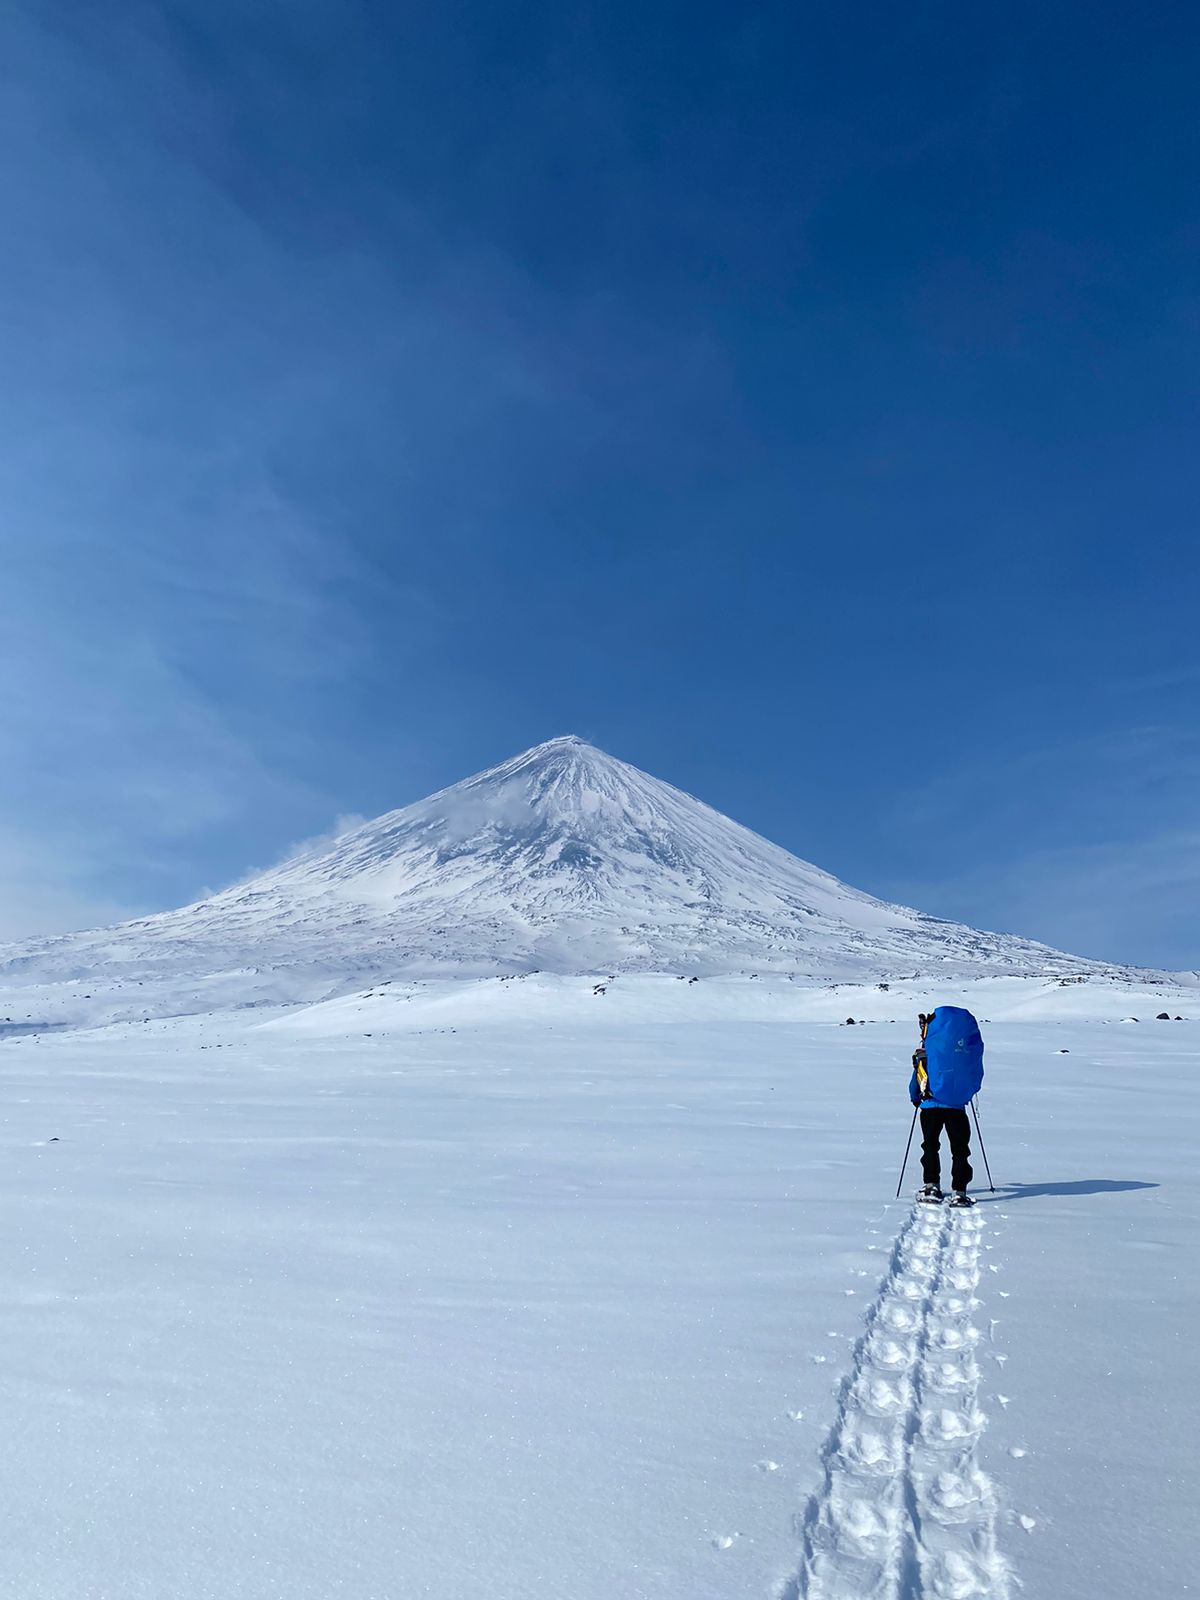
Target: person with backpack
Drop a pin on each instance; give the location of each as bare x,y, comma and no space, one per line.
947,1074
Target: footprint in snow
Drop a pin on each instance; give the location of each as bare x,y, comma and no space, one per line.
795,1416
952,1494
869,1450
958,1577
723,1541
887,1354
947,1427
949,1376
953,1338
882,1398
1028,1523
768,1466
1016,1451
865,1521
898,1317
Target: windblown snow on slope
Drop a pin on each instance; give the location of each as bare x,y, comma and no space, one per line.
562,859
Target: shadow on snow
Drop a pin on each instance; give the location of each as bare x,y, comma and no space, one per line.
1027,1191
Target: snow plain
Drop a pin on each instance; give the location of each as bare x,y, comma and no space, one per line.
523,1291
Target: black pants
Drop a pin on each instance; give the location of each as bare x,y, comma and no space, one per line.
958,1129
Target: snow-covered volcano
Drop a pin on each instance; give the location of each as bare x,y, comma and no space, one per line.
562,859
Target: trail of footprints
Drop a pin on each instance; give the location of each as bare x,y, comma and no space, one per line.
904,1512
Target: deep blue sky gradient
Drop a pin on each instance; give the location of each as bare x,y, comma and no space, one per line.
798,402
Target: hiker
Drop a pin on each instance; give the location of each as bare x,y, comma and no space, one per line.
947,1074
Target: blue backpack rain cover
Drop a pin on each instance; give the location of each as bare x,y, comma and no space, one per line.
953,1056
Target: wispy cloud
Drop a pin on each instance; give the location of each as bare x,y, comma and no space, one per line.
48,884
1126,900
1182,677
1088,844
1078,787
172,623
349,424
241,455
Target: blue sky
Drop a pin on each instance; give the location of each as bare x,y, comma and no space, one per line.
798,402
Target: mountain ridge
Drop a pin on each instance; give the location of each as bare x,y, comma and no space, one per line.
560,859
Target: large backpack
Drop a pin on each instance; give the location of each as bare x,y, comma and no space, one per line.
950,1071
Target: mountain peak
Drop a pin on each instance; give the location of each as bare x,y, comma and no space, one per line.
561,859
563,781
565,747
565,858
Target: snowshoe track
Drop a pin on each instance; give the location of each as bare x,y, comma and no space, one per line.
904,1512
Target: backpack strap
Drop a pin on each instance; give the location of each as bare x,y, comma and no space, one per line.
919,1058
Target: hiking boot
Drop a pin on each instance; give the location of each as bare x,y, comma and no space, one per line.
960,1197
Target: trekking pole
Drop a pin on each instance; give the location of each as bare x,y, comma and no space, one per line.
983,1148
907,1148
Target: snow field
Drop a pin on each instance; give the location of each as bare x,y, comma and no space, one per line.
548,999
554,1311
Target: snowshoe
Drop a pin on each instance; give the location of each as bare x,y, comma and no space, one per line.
960,1197
930,1195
